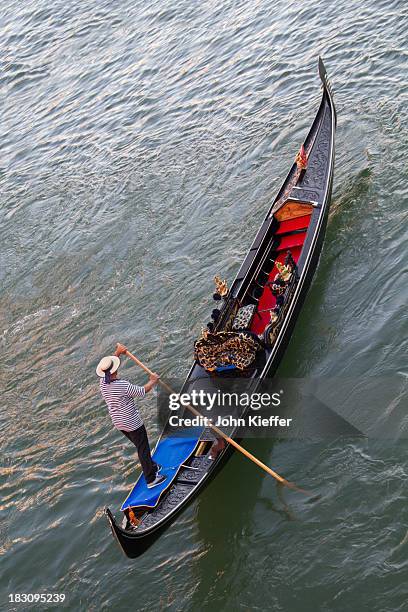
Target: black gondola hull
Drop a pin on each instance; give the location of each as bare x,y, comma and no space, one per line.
135,542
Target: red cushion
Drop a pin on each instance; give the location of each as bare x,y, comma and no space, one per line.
291,241
293,224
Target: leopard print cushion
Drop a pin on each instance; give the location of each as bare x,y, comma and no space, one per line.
225,348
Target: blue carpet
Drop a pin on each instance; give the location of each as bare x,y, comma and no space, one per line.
170,454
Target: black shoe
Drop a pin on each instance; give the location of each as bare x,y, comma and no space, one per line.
158,468
158,480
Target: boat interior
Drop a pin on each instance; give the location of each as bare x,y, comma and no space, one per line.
258,306
292,224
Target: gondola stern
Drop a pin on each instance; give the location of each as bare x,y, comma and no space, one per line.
131,545
116,531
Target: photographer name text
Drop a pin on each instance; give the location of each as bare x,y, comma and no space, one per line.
229,421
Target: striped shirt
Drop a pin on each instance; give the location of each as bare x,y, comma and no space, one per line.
119,396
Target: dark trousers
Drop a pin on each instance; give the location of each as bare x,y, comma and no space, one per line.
139,438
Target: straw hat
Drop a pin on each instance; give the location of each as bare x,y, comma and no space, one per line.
107,364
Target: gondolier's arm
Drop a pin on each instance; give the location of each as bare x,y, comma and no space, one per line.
153,378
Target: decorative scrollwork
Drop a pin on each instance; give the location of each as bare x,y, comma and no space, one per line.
305,194
319,155
173,498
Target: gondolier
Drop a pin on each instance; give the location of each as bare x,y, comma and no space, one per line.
118,395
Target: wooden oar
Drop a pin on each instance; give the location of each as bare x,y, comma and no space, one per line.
220,433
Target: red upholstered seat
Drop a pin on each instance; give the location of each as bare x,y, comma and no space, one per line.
291,241
290,225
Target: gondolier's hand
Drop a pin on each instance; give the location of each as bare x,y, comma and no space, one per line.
120,349
153,380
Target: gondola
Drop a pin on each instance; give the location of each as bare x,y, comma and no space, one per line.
288,243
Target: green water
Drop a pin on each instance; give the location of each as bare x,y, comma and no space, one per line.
141,144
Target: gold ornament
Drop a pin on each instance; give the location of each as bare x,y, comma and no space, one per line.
221,286
274,316
203,334
284,271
